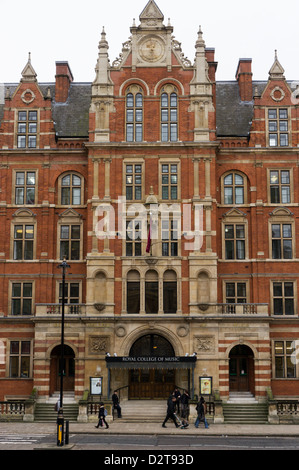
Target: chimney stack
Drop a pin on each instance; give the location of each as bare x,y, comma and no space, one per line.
244,78
64,78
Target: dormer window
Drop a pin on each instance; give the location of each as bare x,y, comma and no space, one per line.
27,129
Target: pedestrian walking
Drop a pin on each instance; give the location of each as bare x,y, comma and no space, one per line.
185,407
177,395
116,405
201,409
170,411
102,416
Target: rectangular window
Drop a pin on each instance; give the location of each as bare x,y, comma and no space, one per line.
169,237
282,241
71,293
23,242
278,126
133,237
283,298
70,242
234,241
280,190
133,297
19,359
236,292
27,129
25,187
134,182
21,298
285,363
169,181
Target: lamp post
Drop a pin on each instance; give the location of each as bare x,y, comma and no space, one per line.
60,418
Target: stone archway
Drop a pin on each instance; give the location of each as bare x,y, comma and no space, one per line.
151,383
69,369
241,369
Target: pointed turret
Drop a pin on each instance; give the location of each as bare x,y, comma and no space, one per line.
28,73
201,64
102,93
201,92
103,61
277,71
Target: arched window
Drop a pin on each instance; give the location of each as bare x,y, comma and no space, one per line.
234,189
134,114
133,292
169,292
151,292
71,190
169,114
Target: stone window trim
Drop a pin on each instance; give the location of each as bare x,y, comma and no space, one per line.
170,161
10,354
169,113
282,216
15,185
281,353
133,162
134,114
236,282
280,184
235,217
70,217
234,185
26,131
21,281
23,217
284,296
143,275
278,126
60,186
68,283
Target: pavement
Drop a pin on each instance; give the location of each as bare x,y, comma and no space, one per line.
118,427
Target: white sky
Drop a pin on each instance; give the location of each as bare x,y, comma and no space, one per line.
70,30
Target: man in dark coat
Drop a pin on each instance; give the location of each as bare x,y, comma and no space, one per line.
116,405
170,411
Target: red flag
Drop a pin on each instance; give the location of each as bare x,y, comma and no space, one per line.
149,240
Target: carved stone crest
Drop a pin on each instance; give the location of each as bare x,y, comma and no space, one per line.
98,344
204,344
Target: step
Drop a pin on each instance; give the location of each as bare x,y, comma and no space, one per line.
245,413
45,412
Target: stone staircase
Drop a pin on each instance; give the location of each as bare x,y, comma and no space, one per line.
143,411
45,412
243,408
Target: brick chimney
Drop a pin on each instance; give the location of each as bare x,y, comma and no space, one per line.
64,78
244,78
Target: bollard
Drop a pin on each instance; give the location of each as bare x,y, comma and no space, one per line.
67,432
60,431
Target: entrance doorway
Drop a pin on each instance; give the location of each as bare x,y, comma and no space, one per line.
241,369
68,367
151,383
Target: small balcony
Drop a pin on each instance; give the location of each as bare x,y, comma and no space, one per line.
255,310
52,310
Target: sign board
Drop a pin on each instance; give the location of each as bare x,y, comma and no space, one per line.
96,385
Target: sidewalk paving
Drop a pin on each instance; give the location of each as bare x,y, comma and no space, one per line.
123,428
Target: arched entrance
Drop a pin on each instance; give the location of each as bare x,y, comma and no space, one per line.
151,383
69,369
241,369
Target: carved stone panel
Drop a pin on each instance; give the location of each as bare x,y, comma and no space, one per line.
99,344
204,345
